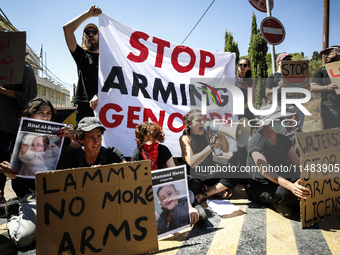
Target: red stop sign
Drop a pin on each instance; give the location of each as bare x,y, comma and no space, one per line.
272,30
260,5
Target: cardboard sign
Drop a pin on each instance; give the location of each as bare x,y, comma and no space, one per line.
105,210
170,187
320,172
12,57
295,73
333,70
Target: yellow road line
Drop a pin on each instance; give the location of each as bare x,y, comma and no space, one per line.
280,235
331,233
227,237
170,245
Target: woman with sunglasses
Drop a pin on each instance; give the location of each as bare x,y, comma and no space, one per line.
244,81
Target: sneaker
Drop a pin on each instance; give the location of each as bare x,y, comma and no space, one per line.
202,214
282,209
12,208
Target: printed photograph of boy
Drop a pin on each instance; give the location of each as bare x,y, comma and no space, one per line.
174,208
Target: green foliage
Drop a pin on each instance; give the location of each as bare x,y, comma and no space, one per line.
314,65
316,56
230,45
257,54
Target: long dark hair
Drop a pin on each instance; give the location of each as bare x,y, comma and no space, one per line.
33,107
248,73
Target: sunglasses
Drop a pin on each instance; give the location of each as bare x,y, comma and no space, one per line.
329,52
244,65
88,32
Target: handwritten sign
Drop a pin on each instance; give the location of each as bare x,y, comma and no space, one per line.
333,70
105,210
12,57
320,166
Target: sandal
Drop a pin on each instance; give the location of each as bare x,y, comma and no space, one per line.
199,198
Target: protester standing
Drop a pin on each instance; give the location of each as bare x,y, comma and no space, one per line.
86,58
321,83
13,99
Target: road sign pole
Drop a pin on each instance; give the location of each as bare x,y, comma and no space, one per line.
272,47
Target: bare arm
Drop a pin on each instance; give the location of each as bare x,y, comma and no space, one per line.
295,188
195,159
7,92
170,162
317,87
73,24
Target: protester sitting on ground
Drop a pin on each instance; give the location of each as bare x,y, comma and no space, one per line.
40,109
21,220
148,137
89,134
268,149
197,152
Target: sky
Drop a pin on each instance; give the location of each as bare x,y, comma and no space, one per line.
172,21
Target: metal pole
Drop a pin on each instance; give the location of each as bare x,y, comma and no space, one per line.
272,47
325,36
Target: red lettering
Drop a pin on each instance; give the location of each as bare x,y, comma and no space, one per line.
148,114
214,115
134,42
117,118
132,116
203,62
160,50
174,59
332,74
171,120
2,46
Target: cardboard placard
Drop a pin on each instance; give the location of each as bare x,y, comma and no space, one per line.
12,57
105,210
333,70
320,172
295,73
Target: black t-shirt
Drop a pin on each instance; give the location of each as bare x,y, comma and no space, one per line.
328,97
272,82
76,158
87,65
164,155
276,155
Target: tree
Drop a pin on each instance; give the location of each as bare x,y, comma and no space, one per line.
230,45
257,52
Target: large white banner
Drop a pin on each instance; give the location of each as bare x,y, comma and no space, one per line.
144,78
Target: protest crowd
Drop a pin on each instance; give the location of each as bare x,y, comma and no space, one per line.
269,145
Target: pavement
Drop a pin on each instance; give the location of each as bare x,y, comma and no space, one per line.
253,229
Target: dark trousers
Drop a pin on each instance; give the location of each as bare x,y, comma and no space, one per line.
83,110
22,186
5,139
270,192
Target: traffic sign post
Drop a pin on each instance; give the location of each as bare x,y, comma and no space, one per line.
272,30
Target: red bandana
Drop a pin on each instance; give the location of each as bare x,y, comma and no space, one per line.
150,152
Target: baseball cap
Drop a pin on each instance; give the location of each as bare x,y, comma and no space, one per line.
91,25
334,47
90,123
282,56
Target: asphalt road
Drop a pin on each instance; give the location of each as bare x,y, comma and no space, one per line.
253,229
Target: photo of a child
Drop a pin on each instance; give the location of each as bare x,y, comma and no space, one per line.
37,153
175,209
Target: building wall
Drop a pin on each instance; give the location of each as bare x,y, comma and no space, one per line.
58,96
